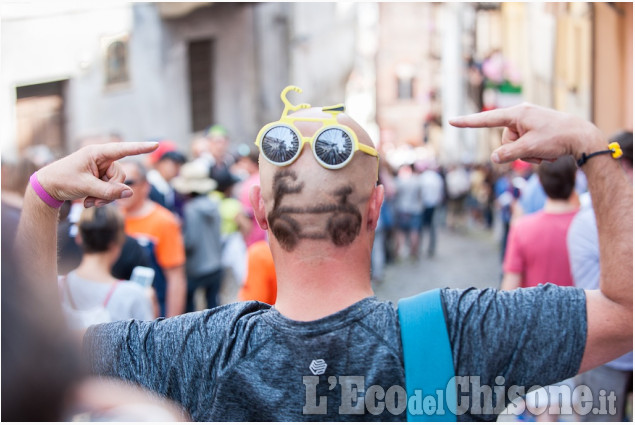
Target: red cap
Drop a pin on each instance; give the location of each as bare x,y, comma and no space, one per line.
520,165
165,146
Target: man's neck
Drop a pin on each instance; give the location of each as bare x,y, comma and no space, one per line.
144,209
96,267
562,206
312,288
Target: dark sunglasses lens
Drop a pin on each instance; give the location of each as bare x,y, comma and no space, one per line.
333,146
280,144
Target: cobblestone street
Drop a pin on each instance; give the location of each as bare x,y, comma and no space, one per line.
462,260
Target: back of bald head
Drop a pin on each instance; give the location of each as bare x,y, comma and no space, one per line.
305,201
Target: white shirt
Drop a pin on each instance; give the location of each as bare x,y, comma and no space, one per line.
432,187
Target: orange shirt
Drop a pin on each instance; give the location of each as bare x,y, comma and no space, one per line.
164,230
260,284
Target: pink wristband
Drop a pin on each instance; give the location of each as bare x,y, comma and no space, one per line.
43,194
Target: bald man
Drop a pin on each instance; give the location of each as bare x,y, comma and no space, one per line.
328,349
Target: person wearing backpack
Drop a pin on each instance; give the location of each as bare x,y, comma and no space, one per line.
89,293
329,349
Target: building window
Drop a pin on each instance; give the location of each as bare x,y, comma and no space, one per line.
200,57
116,62
404,87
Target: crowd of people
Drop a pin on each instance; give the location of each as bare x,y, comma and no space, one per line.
193,222
185,232
189,226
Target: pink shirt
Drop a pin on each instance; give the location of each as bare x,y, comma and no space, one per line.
537,249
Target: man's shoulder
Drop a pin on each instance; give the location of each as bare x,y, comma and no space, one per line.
583,227
530,220
151,211
585,216
154,223
212,323
162,214
483,301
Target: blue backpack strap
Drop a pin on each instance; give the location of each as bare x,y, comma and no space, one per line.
428,359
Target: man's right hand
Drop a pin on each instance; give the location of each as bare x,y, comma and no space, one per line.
91,172
536,134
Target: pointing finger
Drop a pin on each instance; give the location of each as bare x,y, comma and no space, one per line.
495,118
115,151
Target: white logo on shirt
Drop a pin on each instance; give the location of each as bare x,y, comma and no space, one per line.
318,367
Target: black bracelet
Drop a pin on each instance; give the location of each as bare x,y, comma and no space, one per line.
614,149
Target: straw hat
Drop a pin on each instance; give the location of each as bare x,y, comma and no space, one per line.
193,178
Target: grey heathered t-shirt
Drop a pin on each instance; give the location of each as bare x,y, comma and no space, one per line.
245,361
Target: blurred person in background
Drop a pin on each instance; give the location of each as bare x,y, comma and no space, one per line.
537,244
201,151
15,178
165,164
533,196
235,227
537,247
382,243
249,163
201,234
616,376
433,193
489,203
221,159
507,190
159,231
408,208
482,193
457,185
91,294
260,283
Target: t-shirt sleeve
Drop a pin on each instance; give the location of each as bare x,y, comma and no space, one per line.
177,357
525,337
514,260
141,352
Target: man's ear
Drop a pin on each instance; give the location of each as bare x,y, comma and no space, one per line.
258,204
374,206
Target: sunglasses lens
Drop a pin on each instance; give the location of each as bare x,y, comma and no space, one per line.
280,144
333,146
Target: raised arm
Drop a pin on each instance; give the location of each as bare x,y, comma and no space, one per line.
536,134
90,173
